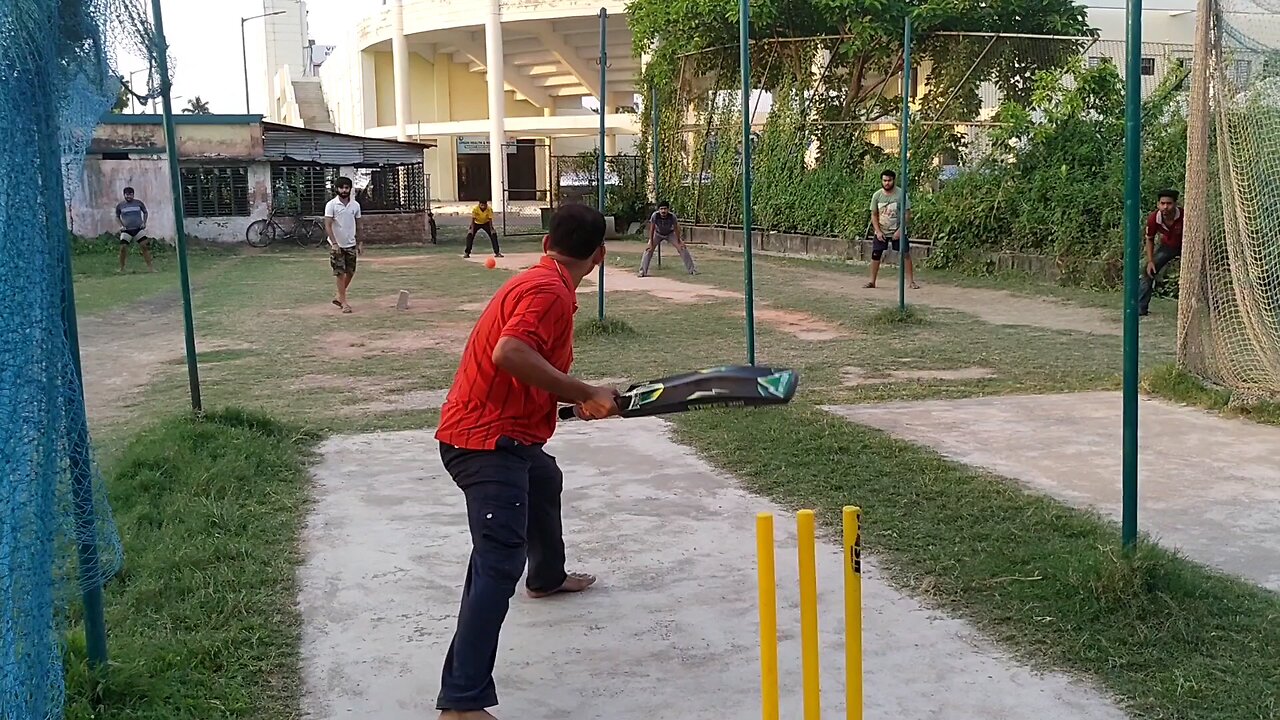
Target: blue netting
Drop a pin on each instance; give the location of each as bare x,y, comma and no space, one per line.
56,533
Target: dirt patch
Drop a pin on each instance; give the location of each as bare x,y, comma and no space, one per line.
381,306
618,280
394,261
853,376
413,400
350,345
802,325
997,307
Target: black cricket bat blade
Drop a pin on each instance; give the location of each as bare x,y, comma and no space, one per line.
726,386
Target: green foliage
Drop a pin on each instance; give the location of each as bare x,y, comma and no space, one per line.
197,106
1053,186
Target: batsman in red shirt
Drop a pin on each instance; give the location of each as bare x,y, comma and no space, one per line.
499,413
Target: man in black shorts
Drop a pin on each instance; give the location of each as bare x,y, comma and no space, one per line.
888,207
132,215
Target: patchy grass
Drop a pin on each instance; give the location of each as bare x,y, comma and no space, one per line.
609,327
909,315
100,286
202,622
1171,639
1172,383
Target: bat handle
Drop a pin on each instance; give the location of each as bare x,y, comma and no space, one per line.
570,412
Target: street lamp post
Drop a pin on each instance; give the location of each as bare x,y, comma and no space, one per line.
244,53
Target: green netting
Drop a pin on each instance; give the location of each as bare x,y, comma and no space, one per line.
57,538
1229,302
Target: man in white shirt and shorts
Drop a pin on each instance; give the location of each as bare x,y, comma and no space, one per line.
340,220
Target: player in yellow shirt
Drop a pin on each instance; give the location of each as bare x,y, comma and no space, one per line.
482,219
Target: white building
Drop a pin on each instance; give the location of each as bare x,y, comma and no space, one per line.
429,70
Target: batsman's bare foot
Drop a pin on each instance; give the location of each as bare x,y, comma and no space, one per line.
466,715
575,582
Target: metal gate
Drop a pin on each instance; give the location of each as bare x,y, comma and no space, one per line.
523,161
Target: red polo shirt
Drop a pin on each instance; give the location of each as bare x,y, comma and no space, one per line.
1170,233
485,402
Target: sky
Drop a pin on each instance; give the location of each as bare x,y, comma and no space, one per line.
196,29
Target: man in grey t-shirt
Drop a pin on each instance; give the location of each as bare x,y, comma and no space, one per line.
663,225
889,207
132,216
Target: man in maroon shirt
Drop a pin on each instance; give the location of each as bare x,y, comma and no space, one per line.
1166,222
499,413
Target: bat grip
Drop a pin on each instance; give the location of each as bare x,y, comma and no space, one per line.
569,412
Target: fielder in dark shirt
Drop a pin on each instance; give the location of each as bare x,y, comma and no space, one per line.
132,215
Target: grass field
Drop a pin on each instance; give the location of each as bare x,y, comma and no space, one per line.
202,621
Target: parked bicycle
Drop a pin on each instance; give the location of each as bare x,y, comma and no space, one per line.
307,232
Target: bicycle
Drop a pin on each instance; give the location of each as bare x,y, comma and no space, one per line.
307,232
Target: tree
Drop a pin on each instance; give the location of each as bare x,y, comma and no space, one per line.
122,100
863,41
197,106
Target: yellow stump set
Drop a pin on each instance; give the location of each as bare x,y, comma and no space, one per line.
807,546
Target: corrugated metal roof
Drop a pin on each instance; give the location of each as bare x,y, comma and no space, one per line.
285,142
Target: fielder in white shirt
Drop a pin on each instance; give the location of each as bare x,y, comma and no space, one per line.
341,216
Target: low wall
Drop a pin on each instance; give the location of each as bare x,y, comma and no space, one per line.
816,247
801,245
394,228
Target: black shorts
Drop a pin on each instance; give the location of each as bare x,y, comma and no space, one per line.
133,234
879,246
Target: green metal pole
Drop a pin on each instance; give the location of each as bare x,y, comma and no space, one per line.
1132,264
744,59
95,624
653,123
175,180
903,175
604,93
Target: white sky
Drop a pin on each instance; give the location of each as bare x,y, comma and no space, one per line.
204,41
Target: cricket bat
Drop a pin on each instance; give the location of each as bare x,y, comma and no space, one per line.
729,386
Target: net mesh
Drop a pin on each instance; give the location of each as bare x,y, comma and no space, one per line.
57,537
826,120
1229,299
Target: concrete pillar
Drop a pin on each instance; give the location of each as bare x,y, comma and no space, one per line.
400,62
494,62
446,181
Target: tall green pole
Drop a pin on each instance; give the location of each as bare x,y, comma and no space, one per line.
657,196
604,93
653,135
903,175
744,59
1132,264
95,624
175,181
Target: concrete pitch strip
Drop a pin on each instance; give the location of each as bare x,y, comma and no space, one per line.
1208,486
670,631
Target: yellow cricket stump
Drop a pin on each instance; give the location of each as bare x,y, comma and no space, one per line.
766,575
768,616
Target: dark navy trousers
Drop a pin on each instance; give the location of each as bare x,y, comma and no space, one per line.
513,510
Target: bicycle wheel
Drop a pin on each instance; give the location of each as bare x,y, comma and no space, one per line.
261,233
309,233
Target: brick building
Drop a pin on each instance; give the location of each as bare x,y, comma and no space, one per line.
237,168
